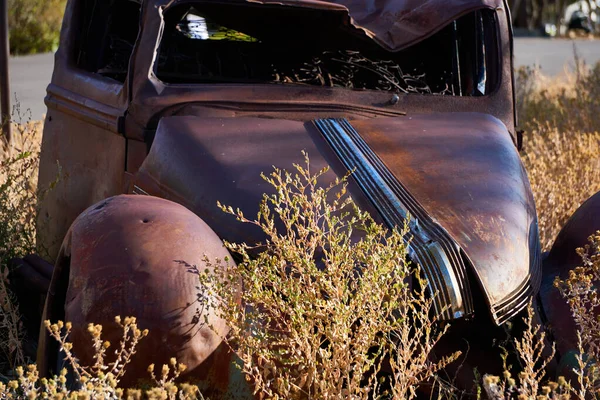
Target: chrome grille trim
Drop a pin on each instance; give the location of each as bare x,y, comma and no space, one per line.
431,246
519,299
139,190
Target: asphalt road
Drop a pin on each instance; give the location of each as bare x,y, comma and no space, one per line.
553,56
30,75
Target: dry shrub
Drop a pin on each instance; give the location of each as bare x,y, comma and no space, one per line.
533,357
561,118
327,301
580,290
571,104
564,171
19,163
101,380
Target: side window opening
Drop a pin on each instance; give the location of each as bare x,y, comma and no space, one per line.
107,33
217,43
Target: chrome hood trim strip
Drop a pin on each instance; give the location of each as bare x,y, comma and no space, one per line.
431,246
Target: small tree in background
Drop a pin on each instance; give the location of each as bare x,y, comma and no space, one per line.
34,25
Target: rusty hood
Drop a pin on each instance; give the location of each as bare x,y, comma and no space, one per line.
463,173
458,176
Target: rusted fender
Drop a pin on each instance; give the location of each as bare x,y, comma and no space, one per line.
139,256
562,259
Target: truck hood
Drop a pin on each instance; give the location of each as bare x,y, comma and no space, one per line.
457,176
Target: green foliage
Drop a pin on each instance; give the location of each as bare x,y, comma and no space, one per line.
34,25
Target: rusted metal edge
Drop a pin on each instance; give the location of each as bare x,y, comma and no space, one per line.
301,106
361,17
90,111
430,246
519,299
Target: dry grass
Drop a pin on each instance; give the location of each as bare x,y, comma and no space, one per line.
101,380
580,290
18,200
529,382
564,171
570,103
561,118
328,300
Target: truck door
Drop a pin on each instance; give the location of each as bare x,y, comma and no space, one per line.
87,101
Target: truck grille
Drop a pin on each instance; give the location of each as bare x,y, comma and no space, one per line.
430,246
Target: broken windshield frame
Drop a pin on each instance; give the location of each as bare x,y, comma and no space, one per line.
213,43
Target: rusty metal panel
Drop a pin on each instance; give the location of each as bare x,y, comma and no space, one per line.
561,259
430,245
462,169
92,161
396,24
140,256
67,77
466,173
199,161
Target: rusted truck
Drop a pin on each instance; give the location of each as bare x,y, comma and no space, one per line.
158,109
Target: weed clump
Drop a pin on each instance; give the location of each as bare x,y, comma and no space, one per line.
101,380
580,290
19,162
561,153
564,171
570,105
330,298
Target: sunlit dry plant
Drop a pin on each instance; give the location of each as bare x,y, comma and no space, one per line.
102,374
413,341
18,205
327,300
101,380
529,382
561,118
580,289
564,171
570,103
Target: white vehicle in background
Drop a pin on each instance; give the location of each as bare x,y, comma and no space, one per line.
581,17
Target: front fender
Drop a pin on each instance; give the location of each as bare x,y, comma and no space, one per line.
561,259
139,256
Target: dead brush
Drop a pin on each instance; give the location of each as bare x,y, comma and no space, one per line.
19,163
529,382
561,119
564,171
327,301
571,104
580,290
101,380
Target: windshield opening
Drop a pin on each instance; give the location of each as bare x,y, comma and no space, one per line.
218,43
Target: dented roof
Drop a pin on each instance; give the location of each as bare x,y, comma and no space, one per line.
396,24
